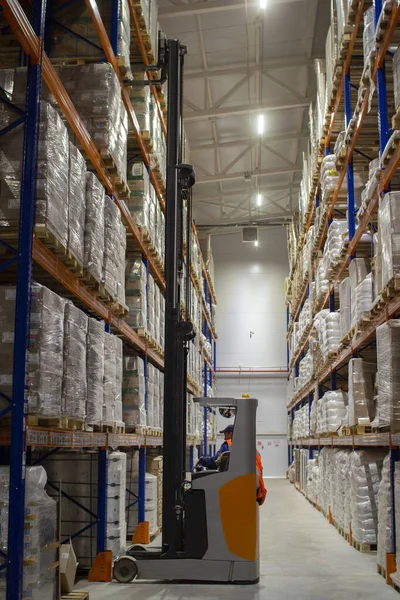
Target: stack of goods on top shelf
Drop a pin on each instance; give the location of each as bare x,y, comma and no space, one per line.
147,13
40,535
206,250
73,33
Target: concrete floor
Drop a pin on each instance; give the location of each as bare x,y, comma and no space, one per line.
302,557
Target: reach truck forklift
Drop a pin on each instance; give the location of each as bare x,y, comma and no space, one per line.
210,526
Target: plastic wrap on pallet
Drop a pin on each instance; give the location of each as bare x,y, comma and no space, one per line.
331,411
75,19
76,203
361,391
7,329
114,251
40,535
150,395
96,94
388,358
139,197
151,306
74,391
119,375
110,383
116,515
340,481
369,42
396,78
385,520
133,392
51,210
95,371
327,325
156,402
389,223
135,292
94,227
45,357
365,477
363,296
345,307
151,503
312,480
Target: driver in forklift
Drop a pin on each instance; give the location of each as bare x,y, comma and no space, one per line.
212,462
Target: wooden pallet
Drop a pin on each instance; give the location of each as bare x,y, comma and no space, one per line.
364,547
76,595
392,288
110,427
56,422
358,430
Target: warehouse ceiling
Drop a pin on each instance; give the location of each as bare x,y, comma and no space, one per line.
244,61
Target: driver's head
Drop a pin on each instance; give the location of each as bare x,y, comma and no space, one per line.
228,432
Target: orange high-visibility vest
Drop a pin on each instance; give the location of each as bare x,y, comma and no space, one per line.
261,490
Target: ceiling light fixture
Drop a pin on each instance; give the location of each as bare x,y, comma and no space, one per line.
263,4
256,244
259,199
260,124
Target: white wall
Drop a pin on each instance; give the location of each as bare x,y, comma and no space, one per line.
249,284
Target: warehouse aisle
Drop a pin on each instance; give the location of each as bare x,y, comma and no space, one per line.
302,557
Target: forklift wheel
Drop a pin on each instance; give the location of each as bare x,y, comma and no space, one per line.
125,569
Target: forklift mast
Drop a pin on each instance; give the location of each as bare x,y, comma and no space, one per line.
178,327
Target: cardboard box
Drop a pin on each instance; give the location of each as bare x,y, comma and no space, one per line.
68,566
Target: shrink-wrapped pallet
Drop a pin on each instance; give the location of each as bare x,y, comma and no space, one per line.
133,392
363,300
136,292
116,515
150,395
40,535
75,375
369,41
389,224
358,271
154,466
365,477
51,208
45,357
95,371
151,306
388,359
345,306
96,94
396,78
118,357
110,382
76,203
385,514
7,329
85,44
114,251
312,480
150,501
361,391
94,227
139,198
340,467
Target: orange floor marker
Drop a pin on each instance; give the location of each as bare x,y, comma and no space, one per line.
142,533
102,567
390,567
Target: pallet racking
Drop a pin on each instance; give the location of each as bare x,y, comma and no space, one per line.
22,438
356,112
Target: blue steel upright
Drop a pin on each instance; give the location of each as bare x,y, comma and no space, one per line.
22,313
349,166
102,477
383,117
